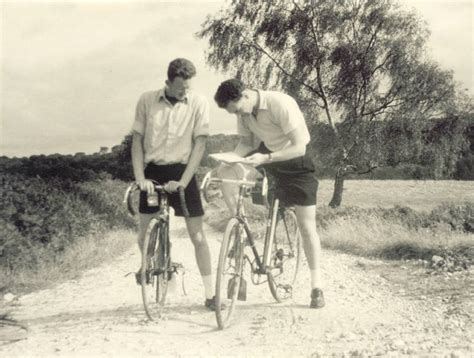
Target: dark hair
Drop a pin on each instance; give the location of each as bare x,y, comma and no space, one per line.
181,67
230,90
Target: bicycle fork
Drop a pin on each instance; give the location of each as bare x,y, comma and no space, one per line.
237,253
270,235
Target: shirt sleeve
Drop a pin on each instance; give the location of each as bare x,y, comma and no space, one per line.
201,125
289,116
140,116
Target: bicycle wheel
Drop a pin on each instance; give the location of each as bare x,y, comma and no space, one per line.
155,268
286,256
229,272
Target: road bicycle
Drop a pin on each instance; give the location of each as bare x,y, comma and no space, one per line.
157,268
281,252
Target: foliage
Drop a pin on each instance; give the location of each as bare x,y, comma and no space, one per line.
356,63
84,168
465,168
77,168
40,219
429,150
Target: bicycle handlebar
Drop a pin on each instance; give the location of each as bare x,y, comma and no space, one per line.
158,187
208,179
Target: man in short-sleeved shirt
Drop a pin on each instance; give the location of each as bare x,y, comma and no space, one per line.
168,129
277,121
277,115
169,137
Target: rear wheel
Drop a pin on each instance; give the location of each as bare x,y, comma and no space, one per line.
155,268
286,256
229,272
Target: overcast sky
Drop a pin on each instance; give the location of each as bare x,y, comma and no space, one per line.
71,72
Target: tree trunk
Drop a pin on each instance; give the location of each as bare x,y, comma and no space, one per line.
338,188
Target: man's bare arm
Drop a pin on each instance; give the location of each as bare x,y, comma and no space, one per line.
138,163
244,146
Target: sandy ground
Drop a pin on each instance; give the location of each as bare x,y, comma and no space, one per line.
101,314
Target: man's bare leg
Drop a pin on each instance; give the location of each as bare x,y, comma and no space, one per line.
306,217
202,253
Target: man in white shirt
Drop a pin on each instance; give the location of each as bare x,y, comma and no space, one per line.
276,120
169,137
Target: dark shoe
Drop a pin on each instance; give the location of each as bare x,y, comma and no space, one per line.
210,303
317,298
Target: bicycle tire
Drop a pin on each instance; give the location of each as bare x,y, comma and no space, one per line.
229,272
286,256
155,268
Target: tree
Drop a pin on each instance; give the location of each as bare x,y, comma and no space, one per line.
351,63
122,159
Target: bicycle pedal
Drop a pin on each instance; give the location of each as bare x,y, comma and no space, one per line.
230,288
242,294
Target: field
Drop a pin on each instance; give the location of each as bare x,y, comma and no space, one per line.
418,195
389,219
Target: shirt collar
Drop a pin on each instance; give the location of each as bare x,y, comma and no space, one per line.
262,104
161,96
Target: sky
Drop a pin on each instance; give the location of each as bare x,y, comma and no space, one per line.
72,72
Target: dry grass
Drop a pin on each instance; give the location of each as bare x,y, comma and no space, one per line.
84,253
367,233
377,237
421,195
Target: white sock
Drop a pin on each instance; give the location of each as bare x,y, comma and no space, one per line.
208,286
315,279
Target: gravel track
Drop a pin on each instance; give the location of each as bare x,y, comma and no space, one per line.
100,314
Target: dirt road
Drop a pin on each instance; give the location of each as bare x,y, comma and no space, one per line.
101,314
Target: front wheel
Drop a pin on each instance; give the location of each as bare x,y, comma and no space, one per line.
155,268
229,272
286,256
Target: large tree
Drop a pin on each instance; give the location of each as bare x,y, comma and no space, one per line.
350,63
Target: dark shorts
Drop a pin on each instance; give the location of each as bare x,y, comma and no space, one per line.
163,174
294,179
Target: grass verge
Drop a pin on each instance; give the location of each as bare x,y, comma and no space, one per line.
388,233
84,253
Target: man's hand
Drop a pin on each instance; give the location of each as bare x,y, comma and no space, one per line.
257,159
146,185
173,186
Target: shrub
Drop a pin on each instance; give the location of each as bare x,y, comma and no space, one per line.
465,168
40,219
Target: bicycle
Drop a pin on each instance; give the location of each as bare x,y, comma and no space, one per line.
156,267
279,262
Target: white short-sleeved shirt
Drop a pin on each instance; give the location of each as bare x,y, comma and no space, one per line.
278,114
169,131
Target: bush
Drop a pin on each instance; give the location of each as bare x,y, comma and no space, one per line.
40,219
465,168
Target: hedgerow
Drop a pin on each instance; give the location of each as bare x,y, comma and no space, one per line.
40,218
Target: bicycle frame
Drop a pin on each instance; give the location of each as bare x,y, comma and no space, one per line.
262,264
157,267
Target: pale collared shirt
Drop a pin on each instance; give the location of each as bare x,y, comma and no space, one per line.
169,131
278,114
